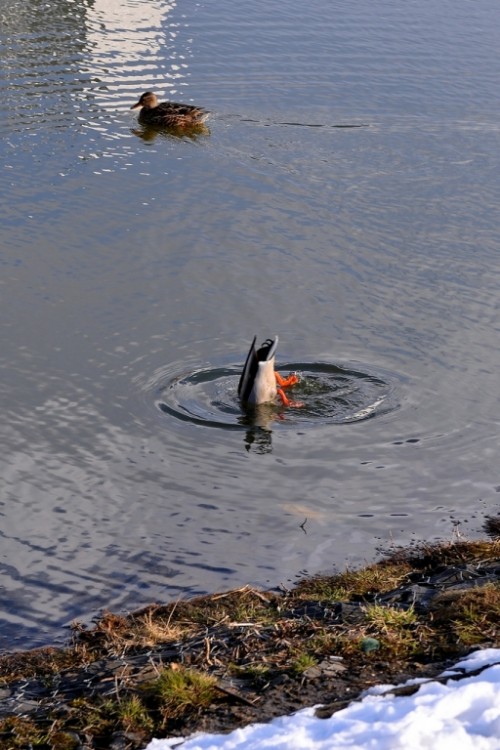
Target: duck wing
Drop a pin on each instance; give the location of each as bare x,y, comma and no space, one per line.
175,110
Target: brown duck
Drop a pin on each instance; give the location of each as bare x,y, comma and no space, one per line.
168,114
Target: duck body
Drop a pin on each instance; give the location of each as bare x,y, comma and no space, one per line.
259,382
168,114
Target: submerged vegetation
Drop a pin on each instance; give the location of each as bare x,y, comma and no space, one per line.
218,661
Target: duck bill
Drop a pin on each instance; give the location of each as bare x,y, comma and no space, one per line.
134,106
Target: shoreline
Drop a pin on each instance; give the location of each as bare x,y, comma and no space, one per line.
214,663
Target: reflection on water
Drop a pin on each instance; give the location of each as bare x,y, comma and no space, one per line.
149,134
134,264
133,43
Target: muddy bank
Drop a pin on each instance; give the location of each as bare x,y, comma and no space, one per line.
217,662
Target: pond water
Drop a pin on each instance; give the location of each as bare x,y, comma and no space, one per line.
344,197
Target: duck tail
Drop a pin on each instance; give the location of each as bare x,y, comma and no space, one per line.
265,352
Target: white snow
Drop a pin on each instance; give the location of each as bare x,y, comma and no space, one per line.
462,714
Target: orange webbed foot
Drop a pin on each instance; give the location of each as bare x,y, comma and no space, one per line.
282,382
292,379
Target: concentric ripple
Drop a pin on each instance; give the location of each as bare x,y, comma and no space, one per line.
326,393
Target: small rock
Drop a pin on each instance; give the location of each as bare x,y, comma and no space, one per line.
118,741
326,668
312,673
370,644
332,665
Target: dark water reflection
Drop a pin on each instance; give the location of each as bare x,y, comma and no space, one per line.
345,197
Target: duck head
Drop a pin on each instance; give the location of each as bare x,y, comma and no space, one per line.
148,100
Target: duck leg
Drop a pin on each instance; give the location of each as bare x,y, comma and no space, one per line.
286,383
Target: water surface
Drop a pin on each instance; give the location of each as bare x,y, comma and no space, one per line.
346,198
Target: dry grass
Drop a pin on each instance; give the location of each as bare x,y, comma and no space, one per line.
468,618
374,579
456,552
180,655
170,623
143,629
386,619
41,662
152,628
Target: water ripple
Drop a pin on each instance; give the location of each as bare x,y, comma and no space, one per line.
327,393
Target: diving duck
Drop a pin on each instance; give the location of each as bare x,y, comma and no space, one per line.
259,382
168,114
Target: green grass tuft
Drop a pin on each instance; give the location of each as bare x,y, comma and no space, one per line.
179,691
